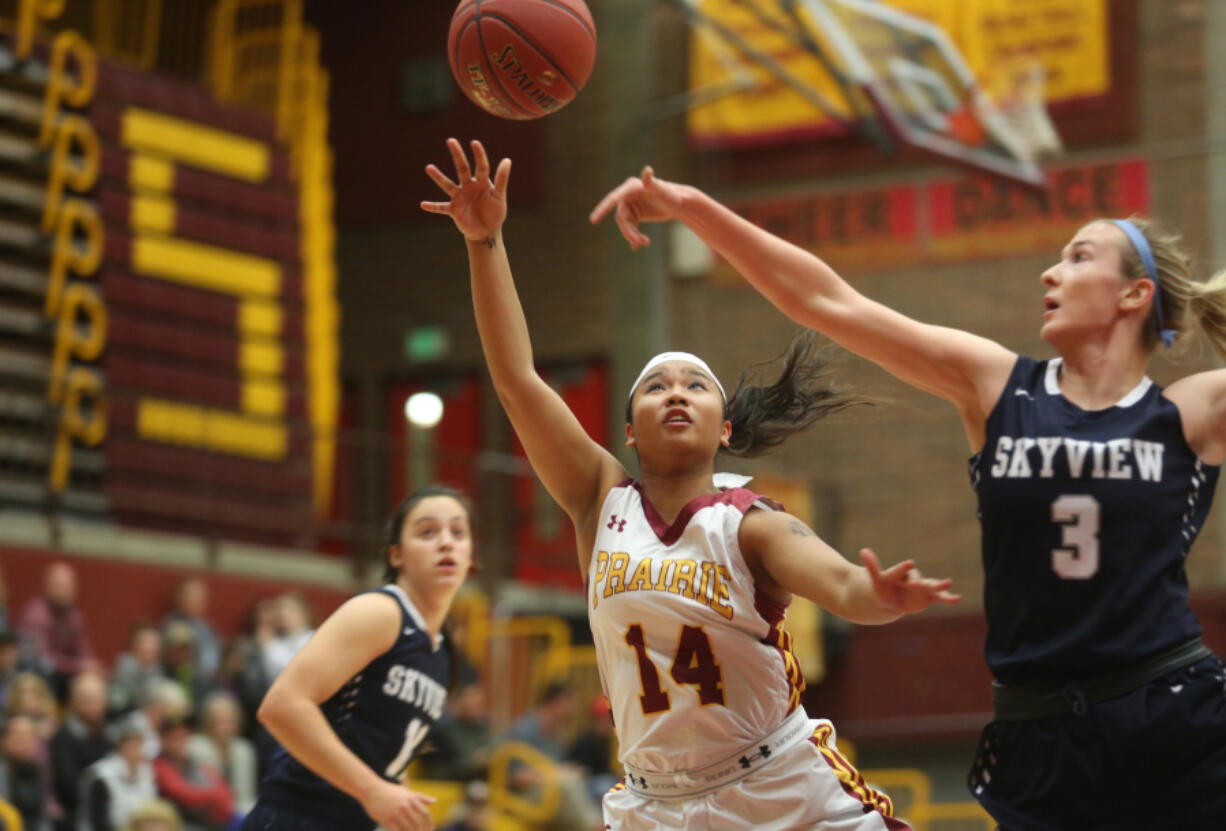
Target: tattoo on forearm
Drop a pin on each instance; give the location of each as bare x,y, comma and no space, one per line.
800,529
490,242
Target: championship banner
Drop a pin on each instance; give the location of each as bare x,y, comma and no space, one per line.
1067,40
953,220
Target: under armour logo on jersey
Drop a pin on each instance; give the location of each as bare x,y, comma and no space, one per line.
619,523
1024,394
764,752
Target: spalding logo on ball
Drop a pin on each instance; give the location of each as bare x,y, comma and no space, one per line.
521,59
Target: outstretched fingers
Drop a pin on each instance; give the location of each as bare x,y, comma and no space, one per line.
871,564
441,179
613,197
897,573
482,161
938,590
462,169
628,222
501,176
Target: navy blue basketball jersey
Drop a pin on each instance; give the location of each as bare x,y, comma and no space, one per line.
381,714
1087,518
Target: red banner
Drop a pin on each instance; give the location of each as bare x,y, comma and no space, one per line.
951,220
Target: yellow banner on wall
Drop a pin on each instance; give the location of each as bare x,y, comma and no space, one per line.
771,107
1069,38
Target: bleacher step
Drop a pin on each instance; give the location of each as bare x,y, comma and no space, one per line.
23,279
23,407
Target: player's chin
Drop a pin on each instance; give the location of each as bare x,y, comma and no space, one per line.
688,447
450,573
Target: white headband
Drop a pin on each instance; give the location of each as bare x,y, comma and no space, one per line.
665,357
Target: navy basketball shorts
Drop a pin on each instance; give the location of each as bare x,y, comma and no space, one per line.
266,817
1154,758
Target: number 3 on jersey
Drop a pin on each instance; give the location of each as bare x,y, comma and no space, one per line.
693,664
1079,516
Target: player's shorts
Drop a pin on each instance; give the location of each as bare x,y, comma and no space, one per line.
1150,760
808,787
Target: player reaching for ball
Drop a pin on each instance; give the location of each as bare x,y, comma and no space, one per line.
1092,484
687,583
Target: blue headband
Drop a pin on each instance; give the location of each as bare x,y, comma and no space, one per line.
1141,244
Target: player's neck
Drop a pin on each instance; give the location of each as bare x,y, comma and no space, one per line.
670,492
1097,376
432,607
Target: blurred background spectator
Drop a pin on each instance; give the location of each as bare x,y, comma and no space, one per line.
163,701
593,748
116,786
462,740
137,668
197,790
191,607
54,628
474,810
294,625
10,662
179,663
221,746
242,676
30,696
155,815
545,726
80,742
23,778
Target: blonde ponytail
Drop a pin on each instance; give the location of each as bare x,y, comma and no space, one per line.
1207,302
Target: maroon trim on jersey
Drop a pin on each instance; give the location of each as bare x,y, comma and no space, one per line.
739,498
772,504
853,782
772,610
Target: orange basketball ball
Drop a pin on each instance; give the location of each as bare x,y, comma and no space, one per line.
521,59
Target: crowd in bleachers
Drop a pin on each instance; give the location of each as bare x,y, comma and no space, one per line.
165,737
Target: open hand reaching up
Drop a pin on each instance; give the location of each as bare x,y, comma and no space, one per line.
640,199
477,206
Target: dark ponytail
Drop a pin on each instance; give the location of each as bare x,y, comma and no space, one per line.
395,524
763,415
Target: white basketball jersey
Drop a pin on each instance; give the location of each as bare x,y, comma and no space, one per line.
695,661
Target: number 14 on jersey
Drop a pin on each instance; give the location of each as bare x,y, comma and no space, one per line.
693,664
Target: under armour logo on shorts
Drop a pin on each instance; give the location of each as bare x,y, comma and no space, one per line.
764,752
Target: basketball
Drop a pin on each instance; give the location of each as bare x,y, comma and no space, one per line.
521,59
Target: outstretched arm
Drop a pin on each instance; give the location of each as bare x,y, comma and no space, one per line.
968,370
786,556
576,470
